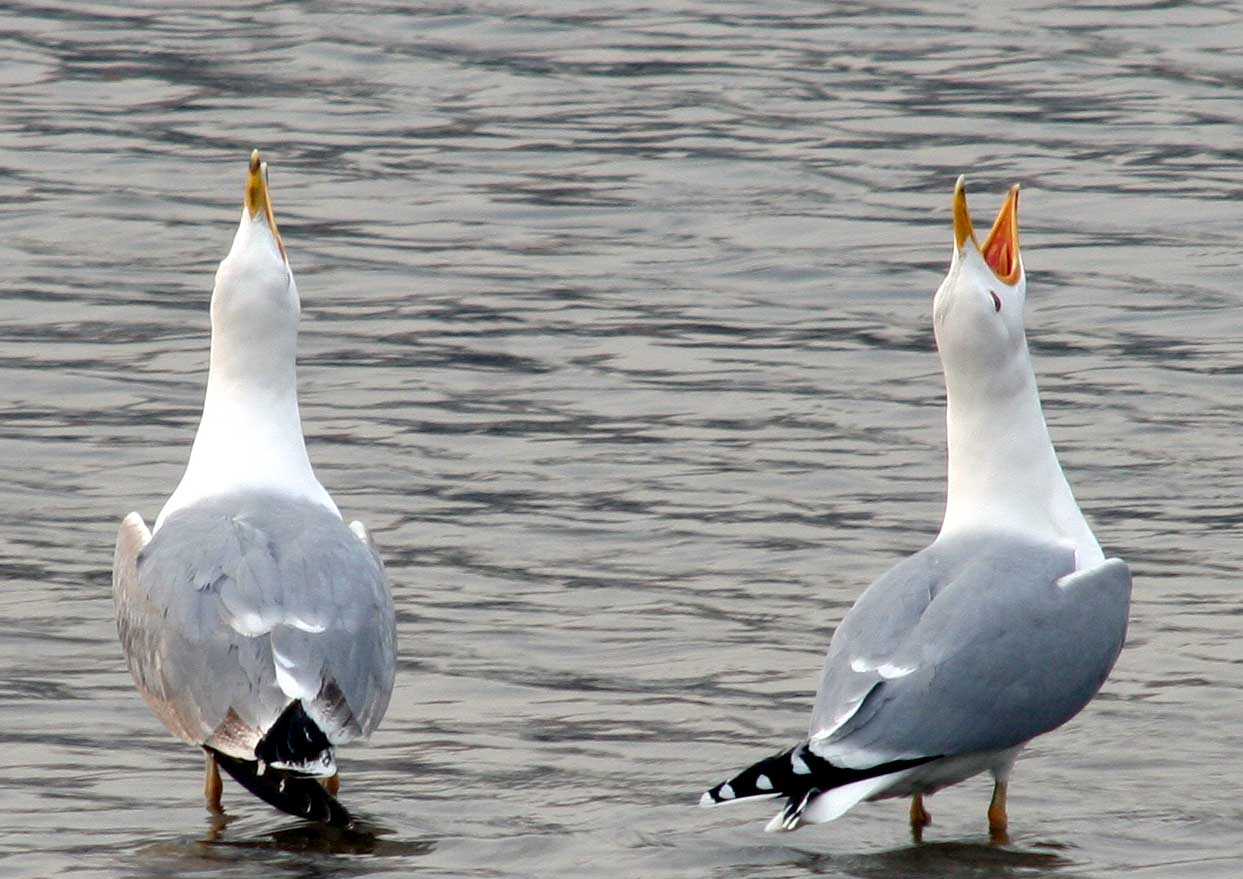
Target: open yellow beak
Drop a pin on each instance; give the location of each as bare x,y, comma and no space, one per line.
1001,247
962,216
259,199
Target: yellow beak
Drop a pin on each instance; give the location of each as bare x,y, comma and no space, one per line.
962,216
259,199
1001,247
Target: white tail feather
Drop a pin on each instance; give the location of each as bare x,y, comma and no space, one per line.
837,802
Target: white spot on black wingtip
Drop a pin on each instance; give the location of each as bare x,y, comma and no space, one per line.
798,765
706,799
726,792
763,782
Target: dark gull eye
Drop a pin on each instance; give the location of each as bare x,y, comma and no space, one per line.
996,301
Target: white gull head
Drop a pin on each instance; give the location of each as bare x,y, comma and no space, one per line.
1003,470
250,435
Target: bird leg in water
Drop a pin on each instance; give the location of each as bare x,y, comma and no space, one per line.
332,784
919,815
997,819
212,786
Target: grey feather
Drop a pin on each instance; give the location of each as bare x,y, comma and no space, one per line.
202,606
975,644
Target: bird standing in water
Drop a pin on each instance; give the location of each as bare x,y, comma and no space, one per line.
1003,628
257,624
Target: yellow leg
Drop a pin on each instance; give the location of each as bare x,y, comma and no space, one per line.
332,784
997,819
212,787
919,817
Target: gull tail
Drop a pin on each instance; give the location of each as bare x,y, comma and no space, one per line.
289,761
299,795
295,742
815,789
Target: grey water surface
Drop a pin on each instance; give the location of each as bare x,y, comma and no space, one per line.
616,331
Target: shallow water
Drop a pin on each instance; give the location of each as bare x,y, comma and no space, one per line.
616,332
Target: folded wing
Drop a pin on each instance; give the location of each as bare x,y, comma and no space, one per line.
239,605
977,643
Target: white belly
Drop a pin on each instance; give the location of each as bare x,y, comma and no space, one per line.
931,777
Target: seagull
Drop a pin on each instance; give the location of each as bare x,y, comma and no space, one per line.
255,622
1003,628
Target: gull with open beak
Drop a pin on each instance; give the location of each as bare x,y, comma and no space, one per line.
257,624
1003,628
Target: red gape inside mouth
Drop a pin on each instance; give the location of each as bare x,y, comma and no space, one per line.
1001,248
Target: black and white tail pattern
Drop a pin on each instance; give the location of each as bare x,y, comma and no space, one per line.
290,759
295,742
300,795
798,775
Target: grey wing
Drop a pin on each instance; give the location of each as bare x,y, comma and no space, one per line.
1014,644
336,649
869,637
240,607
138,624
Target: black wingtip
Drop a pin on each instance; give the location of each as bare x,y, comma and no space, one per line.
771,777
298,795
800,776
295,741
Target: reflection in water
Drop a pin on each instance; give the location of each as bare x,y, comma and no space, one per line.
616,333
361,838
951,860
295,850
